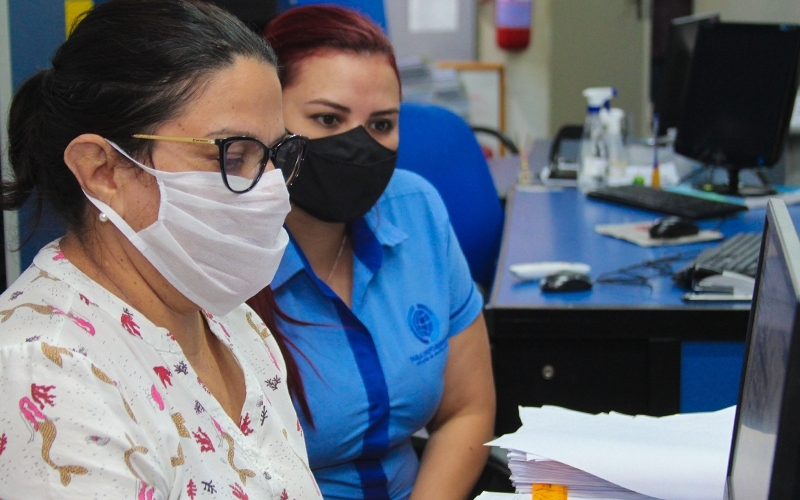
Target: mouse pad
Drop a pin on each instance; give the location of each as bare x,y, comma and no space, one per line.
639,233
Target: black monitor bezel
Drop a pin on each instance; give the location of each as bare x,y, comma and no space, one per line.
785,478
684,142
669,105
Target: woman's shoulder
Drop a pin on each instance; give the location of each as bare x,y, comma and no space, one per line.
406,182
409,188
31,309
53,302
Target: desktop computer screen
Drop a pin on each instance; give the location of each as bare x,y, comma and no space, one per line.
680,47
766,441
739,95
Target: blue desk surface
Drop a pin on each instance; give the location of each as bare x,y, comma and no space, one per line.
558,225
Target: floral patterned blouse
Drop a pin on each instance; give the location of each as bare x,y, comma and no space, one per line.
98,402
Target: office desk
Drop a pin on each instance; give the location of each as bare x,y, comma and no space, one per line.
615,347
504,170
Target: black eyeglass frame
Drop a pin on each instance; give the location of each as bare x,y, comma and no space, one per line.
270,153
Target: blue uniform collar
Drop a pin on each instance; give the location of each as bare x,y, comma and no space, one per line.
369,234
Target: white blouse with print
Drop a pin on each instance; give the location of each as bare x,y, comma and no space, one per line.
97,402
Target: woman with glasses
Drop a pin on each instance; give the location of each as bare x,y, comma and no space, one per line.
382,318
129,367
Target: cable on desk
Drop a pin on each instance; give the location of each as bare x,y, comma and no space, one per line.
705,173
702,174
641,273
696,169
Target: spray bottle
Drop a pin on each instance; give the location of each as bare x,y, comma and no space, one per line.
617,156
593,171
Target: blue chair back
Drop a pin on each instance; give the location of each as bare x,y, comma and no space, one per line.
440,146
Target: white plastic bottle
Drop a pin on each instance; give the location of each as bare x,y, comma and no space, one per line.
617,155
593,171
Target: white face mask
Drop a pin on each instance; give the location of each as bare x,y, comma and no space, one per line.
216,247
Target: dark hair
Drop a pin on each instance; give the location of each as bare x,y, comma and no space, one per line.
305,31
128,66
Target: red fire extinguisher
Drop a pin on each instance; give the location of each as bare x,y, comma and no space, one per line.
512,19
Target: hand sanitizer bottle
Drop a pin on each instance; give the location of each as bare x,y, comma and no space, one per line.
617,155
593,171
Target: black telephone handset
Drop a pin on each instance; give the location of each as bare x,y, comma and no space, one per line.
565,152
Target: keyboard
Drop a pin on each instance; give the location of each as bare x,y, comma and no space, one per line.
667,202
739,254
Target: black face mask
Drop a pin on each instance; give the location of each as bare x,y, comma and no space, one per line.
342,176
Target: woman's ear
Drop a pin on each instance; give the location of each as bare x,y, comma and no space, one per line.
92,161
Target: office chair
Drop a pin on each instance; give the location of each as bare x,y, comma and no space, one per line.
504,139
440,146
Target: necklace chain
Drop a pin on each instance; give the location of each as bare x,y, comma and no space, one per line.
338,256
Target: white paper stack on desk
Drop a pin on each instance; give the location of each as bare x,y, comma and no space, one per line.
527,469
616,456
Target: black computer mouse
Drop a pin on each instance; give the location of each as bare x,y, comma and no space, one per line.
565,281
673,227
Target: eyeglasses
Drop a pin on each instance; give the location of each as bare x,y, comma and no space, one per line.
242,160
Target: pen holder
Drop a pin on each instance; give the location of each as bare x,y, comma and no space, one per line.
524,144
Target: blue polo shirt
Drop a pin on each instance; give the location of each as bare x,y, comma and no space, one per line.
374,374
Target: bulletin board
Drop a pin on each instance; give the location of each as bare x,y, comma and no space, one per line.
435,30
484,83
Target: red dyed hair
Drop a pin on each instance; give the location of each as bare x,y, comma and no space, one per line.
295,35
302,32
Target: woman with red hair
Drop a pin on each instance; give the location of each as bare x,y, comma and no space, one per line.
389,336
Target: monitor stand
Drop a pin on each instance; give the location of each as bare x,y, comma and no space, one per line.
732,188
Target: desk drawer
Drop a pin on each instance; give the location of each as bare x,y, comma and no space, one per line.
636,376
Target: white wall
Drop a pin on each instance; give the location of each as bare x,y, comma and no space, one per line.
527,71
761,11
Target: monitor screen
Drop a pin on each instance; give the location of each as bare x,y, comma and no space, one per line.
680,47
739,95
766,426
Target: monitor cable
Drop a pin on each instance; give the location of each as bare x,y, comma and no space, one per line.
641,273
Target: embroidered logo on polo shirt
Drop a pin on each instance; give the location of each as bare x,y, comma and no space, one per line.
423,323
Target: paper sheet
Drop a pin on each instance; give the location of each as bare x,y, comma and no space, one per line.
667,174
638,233
490,495
680,457
433,16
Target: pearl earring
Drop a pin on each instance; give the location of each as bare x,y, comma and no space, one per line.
103,217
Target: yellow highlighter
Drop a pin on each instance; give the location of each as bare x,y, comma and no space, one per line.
549,492
656,180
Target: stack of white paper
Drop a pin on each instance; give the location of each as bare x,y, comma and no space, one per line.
490,495
615,456
527,469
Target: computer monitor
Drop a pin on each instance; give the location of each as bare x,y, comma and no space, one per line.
765,452
739,97
680,48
